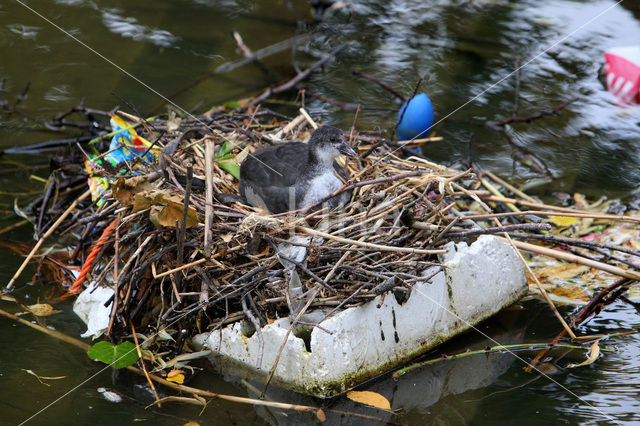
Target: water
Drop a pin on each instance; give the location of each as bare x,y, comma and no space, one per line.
459,49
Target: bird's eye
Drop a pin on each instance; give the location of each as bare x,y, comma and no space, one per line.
332,139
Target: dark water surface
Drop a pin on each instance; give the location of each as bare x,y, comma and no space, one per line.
459,48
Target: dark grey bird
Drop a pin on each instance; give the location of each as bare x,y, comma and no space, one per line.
295,175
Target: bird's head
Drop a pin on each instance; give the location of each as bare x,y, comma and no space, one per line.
328,143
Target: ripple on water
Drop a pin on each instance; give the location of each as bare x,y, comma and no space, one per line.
128,27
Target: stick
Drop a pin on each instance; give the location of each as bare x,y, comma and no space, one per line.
506,228
144,368
308,117
261,53
295,80
257,326
181,388
385,86
508,186
580,317
208,215
371,246
559,209
524,262
46,235
286,337
185,266
576,259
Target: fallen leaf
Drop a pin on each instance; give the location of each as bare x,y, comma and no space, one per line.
563,221
563,272
373,399
176,376
191,424
42,309
8,298
571,292
321,416
593,355
172,213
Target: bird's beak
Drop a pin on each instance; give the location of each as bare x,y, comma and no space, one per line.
345,149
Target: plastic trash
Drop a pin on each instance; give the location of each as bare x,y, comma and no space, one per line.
417,119
622,68
126,146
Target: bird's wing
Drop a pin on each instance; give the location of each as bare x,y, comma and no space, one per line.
276,199
277,166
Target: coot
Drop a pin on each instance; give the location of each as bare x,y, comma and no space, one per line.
295,174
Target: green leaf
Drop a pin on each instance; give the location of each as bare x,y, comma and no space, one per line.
231,167
120,356
224,150
231,105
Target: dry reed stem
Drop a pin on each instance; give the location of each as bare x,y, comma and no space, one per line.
47,235
370,246
524,262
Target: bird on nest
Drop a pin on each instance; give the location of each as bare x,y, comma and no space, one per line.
295,175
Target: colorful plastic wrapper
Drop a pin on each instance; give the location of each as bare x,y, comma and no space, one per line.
126,150
622,68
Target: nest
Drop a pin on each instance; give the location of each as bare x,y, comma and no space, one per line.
187,257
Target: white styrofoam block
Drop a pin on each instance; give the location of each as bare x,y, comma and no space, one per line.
367,340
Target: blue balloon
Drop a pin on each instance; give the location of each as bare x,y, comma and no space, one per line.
417,118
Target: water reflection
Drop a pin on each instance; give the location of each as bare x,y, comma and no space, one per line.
459,49
128,27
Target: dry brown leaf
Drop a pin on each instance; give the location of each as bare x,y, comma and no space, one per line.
563,271
321,416
373,399
42,309
125,191
571,292
172,213
191,424
593,355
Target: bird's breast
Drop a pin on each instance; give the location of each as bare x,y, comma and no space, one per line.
320,187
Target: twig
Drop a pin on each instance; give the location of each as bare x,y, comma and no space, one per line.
506,228
182,388
47,235
564,210
576,242
379,83
556,254
370,246
596,301
208,216
304,74
286,338
144,367
257,326
261,53
308,272
530,118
